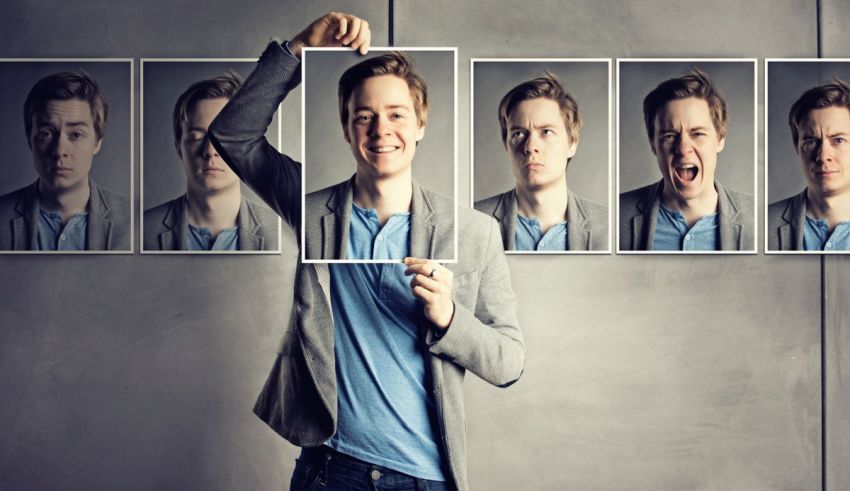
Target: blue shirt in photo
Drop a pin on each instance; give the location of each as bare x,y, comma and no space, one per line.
53,236
201,239
672,232
529,236
816,236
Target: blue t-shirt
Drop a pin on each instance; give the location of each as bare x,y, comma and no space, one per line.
385,408
816,236
529,236
672,232
52,236
200,239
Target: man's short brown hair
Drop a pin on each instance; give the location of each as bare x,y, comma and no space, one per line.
695,84
393,63
65,86
834,94
225,85
547,86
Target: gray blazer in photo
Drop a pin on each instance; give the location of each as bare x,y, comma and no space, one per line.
166,227
639,212
107,228
588,221
786,222
328,219
299,398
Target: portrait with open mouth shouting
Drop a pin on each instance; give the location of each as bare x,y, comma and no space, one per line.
687,124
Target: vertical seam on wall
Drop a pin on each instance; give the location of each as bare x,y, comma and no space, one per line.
823,371
818,11
823,300
391,23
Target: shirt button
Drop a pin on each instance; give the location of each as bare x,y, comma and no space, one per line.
380,237
829,245
688,237
375,474
542,244
62,237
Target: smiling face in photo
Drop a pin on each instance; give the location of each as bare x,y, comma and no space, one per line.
205,171
538,143
383,127
63,143
686,145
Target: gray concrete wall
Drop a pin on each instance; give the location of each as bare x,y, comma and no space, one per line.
835,42
138,372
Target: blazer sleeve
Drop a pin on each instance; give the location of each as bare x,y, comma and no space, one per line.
238,133
486,341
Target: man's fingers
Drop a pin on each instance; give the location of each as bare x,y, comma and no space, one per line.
353,31
364,39
342,27
423,293
429,284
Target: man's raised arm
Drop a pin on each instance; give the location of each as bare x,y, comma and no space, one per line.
238,133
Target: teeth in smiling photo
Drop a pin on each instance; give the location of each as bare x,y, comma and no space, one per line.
686,172
383,149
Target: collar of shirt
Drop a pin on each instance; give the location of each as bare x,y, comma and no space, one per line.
816,236
367,239
53,236
672,232
530,237
200,239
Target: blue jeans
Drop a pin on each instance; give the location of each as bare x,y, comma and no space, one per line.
326,469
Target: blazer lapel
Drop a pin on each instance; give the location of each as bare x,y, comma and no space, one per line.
643,225
578,236
336,222
505,214
25,225
423,225
791,234
730,230
250,232
175,221
99,223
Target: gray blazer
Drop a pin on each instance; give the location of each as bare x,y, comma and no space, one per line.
328,220
299,399
107,229
166,227
786,222
588,221
639,212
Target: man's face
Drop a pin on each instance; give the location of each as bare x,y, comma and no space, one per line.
383,128
686,146
63,143
538,143
824,150
206,173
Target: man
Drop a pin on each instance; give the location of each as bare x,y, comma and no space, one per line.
383,106
687,210
212,215
369,373
540,130
64,210
818,219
